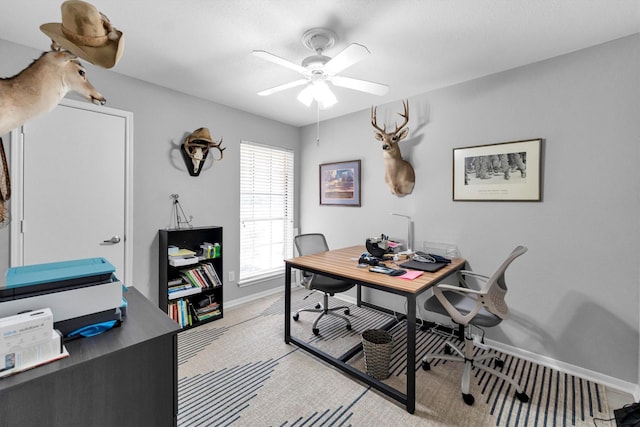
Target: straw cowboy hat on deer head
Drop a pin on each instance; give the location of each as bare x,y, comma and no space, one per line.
87,33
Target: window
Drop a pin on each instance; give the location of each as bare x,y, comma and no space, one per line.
266,210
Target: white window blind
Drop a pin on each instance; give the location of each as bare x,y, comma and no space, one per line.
266,210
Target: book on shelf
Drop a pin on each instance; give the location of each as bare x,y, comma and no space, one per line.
208,308
178,313
208,315
181,286
175,282
203,276
181,293
210,271
191,278
199,275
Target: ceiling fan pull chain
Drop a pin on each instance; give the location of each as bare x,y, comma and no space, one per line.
317,124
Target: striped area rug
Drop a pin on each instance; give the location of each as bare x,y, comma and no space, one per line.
237,371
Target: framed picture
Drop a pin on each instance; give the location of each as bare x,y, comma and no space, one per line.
507,171
340,183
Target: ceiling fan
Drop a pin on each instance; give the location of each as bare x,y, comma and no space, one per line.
318,70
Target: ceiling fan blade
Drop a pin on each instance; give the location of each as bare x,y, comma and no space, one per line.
347,57
277,60
282,87
361,85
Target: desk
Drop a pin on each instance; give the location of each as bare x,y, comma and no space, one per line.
126,376
341,264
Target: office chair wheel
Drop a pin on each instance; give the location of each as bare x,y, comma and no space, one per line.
296,317
498,363
447,349
347,312
316,331
318,306
522,397
348,327
468,399
426,366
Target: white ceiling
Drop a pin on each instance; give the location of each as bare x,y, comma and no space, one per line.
203,47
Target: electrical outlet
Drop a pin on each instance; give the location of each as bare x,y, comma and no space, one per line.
232,276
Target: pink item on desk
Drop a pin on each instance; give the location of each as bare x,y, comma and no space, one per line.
411,274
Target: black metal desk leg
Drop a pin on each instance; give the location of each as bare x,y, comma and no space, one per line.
411,354
287,304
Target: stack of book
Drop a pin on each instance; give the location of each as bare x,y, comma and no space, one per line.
179,288
210,310
181,257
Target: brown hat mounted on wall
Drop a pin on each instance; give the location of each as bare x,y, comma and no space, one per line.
87,33
196,147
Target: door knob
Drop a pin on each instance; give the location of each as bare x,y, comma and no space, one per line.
114,240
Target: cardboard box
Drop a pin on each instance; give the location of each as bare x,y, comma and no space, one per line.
25,330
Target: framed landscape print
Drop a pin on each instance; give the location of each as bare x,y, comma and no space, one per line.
507,171
340,183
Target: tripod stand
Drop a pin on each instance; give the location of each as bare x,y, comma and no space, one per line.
175,214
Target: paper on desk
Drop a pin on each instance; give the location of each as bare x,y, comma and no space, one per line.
411,274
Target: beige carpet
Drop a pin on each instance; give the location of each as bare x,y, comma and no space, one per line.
237,371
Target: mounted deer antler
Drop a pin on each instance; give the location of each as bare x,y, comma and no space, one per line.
196,146
398,173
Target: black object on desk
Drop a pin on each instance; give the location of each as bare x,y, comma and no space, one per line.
430,267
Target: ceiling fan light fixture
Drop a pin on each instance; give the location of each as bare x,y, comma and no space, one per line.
318,69
306,95
319,91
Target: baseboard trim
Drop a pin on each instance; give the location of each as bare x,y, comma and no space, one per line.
230,305
597,377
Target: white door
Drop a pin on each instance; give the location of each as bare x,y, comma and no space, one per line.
74,186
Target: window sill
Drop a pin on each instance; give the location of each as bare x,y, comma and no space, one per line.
260,279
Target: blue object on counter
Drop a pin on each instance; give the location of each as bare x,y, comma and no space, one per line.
93,330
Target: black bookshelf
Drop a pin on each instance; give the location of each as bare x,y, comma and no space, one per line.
194,305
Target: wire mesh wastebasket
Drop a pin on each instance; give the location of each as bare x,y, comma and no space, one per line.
377,345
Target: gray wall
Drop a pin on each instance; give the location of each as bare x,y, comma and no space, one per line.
161,120
574,295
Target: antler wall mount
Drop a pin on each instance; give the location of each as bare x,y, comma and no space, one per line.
398,173
196,148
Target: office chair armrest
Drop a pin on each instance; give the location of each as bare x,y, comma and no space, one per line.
464,273
458,317
306,279
458,289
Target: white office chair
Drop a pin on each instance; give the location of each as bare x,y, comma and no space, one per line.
309,244
469,307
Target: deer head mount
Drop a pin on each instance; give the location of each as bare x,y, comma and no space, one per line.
37,89
196,147
398,173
